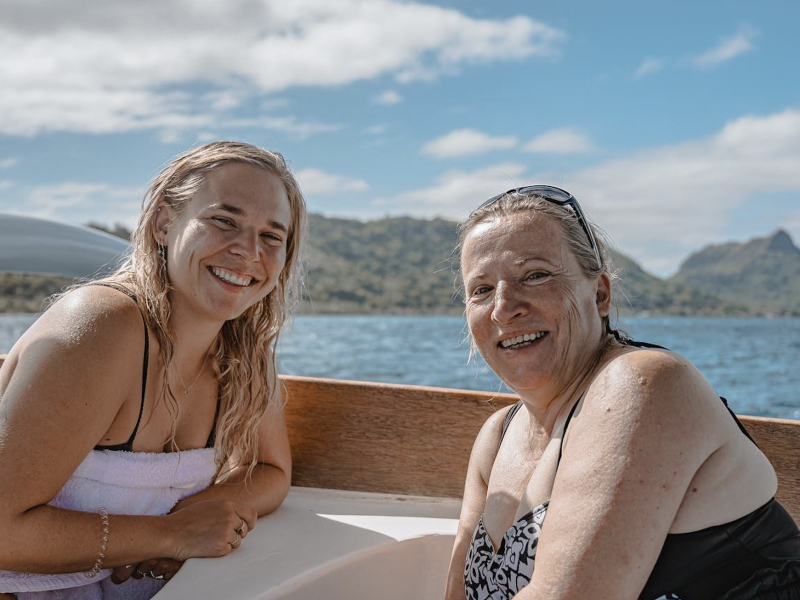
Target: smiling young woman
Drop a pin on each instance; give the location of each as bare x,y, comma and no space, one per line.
620,473
148,403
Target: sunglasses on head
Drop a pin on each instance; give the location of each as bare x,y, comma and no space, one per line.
556,196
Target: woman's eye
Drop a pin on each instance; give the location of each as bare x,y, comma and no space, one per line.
224,221
480,291
272,237
535,275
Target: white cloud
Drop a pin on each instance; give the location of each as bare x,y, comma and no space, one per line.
664,203
375,130
6,184
559,141
388,98
77,203
649,66
727,49
118,66
466,142
288,125
455,193
314,181
7,163
658,205
273,103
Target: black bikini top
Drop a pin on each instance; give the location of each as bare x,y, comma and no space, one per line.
128,446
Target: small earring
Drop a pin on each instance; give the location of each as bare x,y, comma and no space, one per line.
162,254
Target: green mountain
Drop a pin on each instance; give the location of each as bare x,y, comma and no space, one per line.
405,265
390,265
28,293
636,290
762,274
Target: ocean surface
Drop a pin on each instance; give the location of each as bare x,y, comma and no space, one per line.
753,362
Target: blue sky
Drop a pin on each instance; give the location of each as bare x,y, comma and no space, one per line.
676,124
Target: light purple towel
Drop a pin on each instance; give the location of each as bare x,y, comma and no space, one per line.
125,483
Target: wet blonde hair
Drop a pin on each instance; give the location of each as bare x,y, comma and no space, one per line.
244,352
578,242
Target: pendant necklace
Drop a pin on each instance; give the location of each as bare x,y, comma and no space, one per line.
186,388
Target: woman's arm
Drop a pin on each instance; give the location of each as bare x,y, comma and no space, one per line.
263,492
270,480
648,423
484,451
70,379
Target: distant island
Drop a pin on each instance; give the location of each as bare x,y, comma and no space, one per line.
404,266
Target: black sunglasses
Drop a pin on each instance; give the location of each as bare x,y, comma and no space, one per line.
556,196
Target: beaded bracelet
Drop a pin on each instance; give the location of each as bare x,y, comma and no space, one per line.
101,556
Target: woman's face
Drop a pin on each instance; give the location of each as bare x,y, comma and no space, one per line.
227,248
535,317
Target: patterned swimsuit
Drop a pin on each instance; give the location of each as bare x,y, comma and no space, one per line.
756,557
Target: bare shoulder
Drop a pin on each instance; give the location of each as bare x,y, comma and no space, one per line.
72,373
648,365
646,375
90,314
92,328
654,391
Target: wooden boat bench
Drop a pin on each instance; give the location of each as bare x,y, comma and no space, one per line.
402,439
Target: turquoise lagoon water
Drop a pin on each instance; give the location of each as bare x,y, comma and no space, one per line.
753,362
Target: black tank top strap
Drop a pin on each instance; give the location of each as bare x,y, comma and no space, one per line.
635,344
564,432
128,446
507,421
213,435
738,422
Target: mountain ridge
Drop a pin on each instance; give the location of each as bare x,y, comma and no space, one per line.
405,265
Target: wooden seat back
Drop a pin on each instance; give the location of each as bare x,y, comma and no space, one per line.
403,439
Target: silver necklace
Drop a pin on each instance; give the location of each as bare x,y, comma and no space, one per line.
186,388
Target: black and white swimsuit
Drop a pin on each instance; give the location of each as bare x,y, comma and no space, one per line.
756,557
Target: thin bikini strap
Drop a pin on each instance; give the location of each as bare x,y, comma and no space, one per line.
212,436
564,433
129,444
507,421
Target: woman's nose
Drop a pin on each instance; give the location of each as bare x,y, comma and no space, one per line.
508,304
247,246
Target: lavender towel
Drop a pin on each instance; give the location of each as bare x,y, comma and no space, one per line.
125,483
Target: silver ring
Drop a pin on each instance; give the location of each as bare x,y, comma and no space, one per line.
240,530
140,573
158,577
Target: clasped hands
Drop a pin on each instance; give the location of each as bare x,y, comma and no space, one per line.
165,568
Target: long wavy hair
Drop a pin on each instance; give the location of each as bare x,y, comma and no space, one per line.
244,353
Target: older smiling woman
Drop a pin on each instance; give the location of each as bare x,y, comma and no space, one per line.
620,474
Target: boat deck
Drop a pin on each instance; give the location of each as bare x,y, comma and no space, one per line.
335,544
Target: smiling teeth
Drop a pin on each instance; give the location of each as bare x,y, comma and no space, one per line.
231,277
522,339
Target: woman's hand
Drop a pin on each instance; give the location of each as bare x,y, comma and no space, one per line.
157,568
209,529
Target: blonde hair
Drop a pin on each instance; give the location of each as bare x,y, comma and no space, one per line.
244,354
